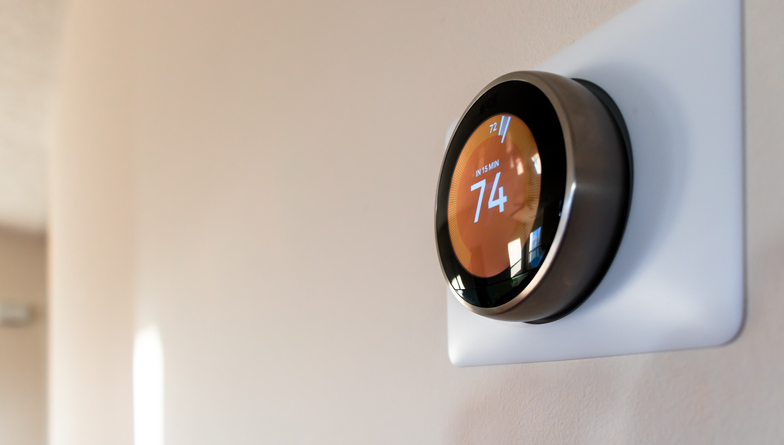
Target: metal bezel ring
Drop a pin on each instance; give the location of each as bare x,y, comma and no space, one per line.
595,202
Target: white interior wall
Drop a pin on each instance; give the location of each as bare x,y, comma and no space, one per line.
91,233
256,180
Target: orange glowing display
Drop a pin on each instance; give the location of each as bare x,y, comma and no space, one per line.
494,195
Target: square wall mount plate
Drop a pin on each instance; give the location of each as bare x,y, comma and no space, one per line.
674,69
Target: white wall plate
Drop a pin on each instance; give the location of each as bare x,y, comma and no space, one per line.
674,69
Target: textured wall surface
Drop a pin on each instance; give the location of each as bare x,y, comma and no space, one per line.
29,38
256,180
23,348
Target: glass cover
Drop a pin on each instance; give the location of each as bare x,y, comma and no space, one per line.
494,197
500,194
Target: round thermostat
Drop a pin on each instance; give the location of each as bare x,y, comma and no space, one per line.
533,196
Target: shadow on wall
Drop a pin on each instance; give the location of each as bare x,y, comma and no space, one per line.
23,330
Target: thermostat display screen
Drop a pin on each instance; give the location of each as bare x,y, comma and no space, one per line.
494,196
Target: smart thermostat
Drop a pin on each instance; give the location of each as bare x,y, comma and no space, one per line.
533,196
676,280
